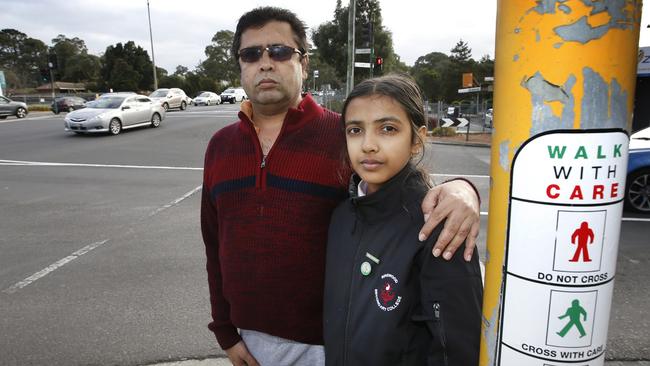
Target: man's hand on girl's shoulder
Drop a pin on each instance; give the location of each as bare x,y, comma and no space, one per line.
456,201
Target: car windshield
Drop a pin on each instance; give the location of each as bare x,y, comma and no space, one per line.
106,103
229,91
204,95
159,93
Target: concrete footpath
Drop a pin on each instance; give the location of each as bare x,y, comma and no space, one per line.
225,362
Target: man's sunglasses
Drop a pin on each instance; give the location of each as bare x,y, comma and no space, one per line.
276,53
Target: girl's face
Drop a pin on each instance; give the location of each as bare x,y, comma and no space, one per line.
379,138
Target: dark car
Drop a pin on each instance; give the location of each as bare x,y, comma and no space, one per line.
10,108
67,104
637,186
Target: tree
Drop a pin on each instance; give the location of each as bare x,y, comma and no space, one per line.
22,57
65,50
331,39
461,52
220,64
140,68
440,75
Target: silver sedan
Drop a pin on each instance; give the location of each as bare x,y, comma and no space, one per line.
115,112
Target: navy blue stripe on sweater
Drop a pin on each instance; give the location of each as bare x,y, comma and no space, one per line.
314,189
232,185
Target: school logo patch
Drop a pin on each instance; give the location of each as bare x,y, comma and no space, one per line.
386,295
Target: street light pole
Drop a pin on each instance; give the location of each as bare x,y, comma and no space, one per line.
153,58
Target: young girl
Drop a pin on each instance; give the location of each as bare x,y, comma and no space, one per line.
388,301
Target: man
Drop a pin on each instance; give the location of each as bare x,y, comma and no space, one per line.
271,181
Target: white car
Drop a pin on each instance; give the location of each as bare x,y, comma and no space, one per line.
207,98
232,95
171,98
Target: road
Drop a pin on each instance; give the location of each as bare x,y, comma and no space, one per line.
102,260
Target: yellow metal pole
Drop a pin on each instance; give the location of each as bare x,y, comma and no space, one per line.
564,90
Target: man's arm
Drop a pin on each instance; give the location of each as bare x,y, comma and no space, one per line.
457,201
224,330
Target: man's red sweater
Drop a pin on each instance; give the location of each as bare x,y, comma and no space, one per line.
264,223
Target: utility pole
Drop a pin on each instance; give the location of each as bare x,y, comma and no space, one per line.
153,58
351,20
559,160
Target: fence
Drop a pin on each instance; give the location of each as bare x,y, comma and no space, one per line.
31,99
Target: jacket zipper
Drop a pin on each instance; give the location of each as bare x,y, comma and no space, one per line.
347,316
441,330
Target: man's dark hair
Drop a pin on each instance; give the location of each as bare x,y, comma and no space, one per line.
258,17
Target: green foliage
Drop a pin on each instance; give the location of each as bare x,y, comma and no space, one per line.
127,68
21,57
331,39
220,64
439,75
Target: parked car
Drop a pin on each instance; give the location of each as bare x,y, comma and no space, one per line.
637,186
232,95
207,98
171,98
489,117
67,104
113,113
10,108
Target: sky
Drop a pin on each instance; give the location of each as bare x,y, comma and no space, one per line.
183,28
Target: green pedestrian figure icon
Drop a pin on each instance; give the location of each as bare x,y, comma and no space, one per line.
574,313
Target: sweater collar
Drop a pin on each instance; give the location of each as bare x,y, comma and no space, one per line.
307,111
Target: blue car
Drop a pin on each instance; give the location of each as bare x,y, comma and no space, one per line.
637,187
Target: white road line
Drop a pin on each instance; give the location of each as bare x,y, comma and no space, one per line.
42,163
52,267
176,201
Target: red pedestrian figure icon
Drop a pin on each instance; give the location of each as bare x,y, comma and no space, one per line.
584,235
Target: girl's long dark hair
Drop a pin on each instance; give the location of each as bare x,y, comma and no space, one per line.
405,91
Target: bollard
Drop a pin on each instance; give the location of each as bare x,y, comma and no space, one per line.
564,90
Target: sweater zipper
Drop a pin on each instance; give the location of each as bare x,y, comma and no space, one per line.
346,334
264,159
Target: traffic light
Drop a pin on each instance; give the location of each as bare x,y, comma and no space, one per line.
52,61
45,74
379,63
366,35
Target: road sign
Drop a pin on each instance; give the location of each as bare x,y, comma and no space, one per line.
362,51
315,74
559,277
453,122
366,65
469,90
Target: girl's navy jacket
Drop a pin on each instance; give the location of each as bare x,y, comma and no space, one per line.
388,301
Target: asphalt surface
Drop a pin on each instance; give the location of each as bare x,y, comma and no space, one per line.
102,261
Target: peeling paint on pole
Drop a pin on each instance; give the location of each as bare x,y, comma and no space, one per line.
566,65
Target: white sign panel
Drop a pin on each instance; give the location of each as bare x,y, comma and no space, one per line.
564,224
643,65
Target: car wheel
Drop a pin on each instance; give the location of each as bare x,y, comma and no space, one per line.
196,104
70,109
115,126
183,106
3,117
165,107
155,120
232,101
21,112
637,191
